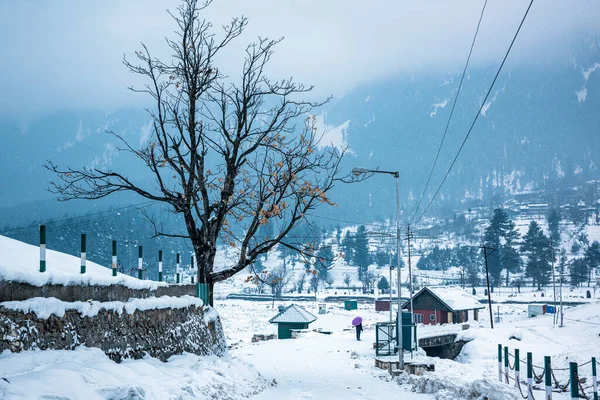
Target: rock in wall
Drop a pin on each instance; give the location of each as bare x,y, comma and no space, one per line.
159,333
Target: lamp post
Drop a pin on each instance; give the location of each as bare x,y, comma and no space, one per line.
357,171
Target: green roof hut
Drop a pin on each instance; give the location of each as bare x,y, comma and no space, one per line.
289,318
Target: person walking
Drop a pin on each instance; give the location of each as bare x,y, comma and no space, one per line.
359,329
357,323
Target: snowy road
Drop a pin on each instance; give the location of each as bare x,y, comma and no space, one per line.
322,367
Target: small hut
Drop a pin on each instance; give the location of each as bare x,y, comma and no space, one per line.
290,318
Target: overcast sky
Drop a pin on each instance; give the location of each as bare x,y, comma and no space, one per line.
66,54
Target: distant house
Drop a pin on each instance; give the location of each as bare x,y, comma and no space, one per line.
442,305
290,318
534,210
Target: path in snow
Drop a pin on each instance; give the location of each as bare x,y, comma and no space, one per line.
323,367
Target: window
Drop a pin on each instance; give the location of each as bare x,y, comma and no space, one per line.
432,317
418,318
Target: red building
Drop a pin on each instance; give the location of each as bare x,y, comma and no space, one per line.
442,305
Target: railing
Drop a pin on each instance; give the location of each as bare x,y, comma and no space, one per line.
545,374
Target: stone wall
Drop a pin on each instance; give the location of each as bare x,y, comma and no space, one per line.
160,333
17,291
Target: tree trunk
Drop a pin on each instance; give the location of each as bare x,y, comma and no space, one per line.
205,260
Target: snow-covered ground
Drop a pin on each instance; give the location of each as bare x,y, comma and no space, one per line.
314,366
88,374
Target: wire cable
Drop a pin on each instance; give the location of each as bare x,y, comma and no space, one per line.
478,113
462,78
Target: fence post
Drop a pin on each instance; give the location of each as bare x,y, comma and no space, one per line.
548,373
42,248
594,380
529,375
83,253
177,270
506,364
574,381
192,268
114,258
500,362
517,367
160,265
140,262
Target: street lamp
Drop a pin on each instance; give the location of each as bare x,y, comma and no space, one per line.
357,171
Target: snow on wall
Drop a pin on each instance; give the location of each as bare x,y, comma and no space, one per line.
20,262
44,307
159,327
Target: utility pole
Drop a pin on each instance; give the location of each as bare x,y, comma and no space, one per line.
396,175
487,278
410,287
553,278
390,290
408,235
561,302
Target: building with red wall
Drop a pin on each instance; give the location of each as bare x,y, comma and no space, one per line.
442,305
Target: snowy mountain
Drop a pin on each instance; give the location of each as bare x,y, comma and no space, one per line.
537,131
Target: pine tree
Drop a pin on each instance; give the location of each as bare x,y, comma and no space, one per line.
553,219
492,238
536,247
361,255
324,258
382,258
383,284
469,260
348,248
592,259
501,235
562,264
578,271
508,253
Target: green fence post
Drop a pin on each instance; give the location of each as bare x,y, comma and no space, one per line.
160,265
83,253
548,376
192,268
140,262
500,362
517,367
594,380
574,381
529,375
42,248
177,269
114,258
506,364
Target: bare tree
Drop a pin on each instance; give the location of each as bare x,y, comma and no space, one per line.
347,279
329,280
301,282
228,156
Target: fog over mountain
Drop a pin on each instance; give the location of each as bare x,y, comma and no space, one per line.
393,69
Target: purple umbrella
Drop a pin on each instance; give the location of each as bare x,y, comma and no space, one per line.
356,321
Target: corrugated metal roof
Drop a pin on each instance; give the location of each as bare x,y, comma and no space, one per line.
293,314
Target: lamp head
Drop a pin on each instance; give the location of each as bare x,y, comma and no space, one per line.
356,171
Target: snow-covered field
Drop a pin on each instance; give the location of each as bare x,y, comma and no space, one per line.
315,366
87,374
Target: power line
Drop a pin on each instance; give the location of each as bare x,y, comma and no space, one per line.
54,222
478,113
451,113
